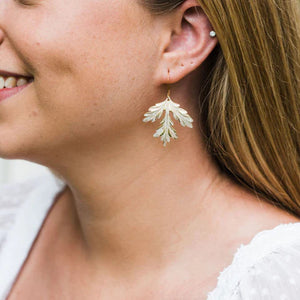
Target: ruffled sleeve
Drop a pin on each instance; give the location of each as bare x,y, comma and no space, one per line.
276,276
268,268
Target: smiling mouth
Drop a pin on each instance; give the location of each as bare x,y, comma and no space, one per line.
13,86
13,81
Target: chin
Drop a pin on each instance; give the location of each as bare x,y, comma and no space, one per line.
15,148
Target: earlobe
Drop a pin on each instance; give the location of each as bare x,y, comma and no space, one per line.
190,42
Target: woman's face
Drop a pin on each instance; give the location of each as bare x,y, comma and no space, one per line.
92,62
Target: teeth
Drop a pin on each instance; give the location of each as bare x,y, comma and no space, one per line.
2,82
21,81
11,82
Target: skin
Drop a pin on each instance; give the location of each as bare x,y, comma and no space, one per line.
135,215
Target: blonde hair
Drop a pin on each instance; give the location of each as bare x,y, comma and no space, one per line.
249,103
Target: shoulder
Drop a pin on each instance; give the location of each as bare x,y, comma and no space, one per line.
267,268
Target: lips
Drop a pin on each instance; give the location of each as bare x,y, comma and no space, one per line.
9,92
7,74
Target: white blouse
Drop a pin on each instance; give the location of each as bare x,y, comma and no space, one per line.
268,268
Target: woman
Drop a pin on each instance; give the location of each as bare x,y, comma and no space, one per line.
209,207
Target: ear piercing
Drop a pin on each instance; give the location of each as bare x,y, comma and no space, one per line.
212,33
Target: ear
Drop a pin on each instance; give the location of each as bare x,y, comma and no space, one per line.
187,43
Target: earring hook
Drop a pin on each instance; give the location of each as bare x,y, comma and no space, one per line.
168,85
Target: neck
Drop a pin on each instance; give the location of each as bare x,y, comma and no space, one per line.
137,208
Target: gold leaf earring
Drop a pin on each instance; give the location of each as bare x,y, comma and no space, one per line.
166,129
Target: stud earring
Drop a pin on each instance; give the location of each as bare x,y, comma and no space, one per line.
212,33
166,129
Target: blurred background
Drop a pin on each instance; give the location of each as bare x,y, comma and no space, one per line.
19,170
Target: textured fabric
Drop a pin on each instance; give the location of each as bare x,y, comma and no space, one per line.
10,202
23,208
268,268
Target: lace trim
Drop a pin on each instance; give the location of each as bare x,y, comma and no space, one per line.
246,256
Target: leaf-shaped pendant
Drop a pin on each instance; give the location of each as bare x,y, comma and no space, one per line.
166,129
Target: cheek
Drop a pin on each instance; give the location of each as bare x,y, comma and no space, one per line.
98,77
90,75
